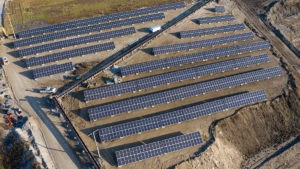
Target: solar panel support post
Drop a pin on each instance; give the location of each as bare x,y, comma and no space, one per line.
98,151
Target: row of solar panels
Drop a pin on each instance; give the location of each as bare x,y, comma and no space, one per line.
176,76
138,153
214,19
180,115
51,70
88,29
166,96
34,61
219,9
202,43
76,41
190,58
99,19
209,31
157,148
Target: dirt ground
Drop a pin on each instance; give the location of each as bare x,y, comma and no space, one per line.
76,108
285,16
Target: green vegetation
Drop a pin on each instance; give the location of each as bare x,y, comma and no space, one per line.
31,13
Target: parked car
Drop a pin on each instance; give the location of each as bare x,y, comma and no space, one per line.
48,90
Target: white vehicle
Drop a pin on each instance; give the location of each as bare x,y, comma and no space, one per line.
154,28
49,90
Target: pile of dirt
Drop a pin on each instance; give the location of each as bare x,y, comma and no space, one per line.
285,16
250,130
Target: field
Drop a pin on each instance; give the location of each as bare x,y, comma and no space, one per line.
34,13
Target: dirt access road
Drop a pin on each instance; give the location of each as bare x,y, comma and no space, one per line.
51,142
254,20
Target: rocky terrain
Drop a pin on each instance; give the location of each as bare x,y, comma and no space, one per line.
285,17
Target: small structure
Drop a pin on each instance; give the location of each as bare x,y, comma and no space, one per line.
220,9
154,28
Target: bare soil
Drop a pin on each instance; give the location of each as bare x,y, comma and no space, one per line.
285,16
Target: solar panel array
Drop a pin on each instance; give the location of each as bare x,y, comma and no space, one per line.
76,41
88,29
99,19
166,96
157,148
139,84
184,114
194,57
34,61
214,19
208,31
219,9
51,70
202,43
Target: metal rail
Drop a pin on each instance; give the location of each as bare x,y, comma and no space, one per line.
111,60
123,52
93,160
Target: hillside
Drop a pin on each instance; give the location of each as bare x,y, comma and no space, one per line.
285,16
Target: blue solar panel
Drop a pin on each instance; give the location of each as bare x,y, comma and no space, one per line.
152,99
76,41
219,9
88,29
176,76
154,149
173,117
213,19
51,70
34,61
202,43
209,31
194,57
99,19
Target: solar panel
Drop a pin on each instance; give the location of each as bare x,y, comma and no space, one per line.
194,57
128,105
219,9
76,41
34,61
158,148
175,76
51,70
209,31
213,19
88,29
99,19
202,43
180,115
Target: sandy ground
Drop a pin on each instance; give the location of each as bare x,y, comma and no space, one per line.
77,108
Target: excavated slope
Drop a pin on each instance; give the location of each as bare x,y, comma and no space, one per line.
250,130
